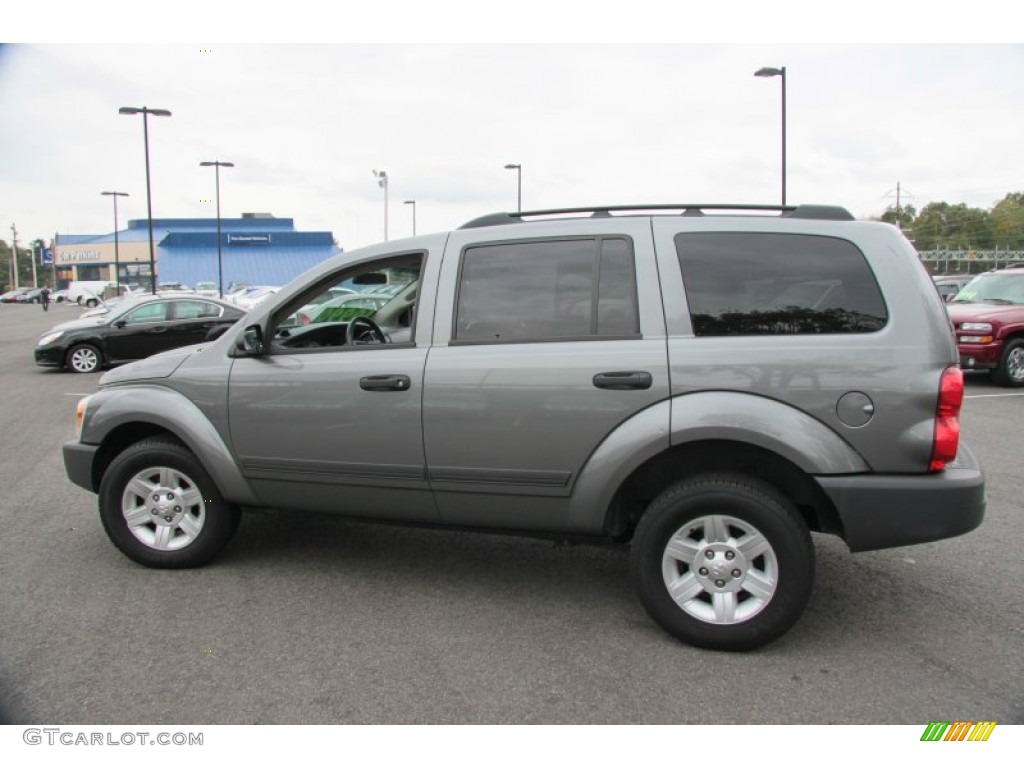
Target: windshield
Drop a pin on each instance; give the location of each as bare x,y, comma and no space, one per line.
993,289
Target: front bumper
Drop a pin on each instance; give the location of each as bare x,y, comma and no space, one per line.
50,356
980,357
78,461
881,511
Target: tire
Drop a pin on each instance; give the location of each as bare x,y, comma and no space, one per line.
1010,372
753,558
90,303
162,509
84,358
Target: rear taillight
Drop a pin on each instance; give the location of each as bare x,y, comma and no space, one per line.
947,419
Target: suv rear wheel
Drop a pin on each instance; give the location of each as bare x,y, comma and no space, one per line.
723,561
161,508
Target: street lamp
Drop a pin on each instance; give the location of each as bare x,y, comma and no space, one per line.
519,184
779,72
382,182
217,165
117,258
146,112
413,204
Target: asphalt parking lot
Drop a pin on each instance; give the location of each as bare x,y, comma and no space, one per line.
320,620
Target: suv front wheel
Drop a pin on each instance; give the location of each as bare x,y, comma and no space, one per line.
1010,372
723,561
161,508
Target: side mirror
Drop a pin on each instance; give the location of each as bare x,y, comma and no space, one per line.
120,323
252,341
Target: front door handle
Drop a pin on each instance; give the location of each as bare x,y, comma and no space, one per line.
623,380
386,383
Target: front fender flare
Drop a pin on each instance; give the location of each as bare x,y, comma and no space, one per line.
170,410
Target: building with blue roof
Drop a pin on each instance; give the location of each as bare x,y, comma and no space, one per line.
258,249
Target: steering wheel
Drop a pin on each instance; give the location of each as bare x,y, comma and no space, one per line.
362,330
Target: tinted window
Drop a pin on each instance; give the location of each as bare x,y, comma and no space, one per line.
547,290
148,313
754,284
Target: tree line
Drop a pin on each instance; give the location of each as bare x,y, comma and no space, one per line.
43,274
944,226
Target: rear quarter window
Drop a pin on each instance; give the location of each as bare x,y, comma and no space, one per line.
750,284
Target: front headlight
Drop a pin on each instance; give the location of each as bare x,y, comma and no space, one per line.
984,327
80,409
49,338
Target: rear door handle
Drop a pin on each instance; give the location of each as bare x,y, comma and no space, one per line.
386,383
623,380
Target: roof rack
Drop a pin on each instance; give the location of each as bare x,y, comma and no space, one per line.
829,212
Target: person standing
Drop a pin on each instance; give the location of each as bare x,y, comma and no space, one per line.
44,299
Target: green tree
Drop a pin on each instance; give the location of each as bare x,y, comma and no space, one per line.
1008,222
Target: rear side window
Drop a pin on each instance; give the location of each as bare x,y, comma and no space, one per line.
547,290
751,284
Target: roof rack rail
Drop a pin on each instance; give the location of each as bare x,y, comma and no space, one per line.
830,212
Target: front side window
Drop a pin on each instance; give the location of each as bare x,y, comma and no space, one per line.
372,303
749,284
547,290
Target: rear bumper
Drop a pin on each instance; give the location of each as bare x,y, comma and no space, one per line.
881,511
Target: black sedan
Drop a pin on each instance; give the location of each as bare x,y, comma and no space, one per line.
136,330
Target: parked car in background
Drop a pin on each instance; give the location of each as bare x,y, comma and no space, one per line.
31,296
88,292
59,297
341,309
134,330
950,285
335,292
988,318
207,288
236,287
11,297
253,296
172,288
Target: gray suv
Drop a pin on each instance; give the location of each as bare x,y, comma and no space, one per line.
705,385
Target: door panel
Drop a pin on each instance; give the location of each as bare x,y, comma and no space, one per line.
309,436
509,425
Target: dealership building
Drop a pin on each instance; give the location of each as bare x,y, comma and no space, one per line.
258,248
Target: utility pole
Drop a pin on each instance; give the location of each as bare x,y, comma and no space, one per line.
899,224
14,257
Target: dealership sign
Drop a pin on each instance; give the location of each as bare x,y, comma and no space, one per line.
67,256
249,239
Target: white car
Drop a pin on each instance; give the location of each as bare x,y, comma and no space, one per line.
207,288
254,296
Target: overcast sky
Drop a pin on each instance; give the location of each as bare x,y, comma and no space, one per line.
646,122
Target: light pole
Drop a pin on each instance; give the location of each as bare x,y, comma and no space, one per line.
117,256
217,165
382,182
779,72
413,204
146,112
14,257
519,184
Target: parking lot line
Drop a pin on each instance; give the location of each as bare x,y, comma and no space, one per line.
1006,394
